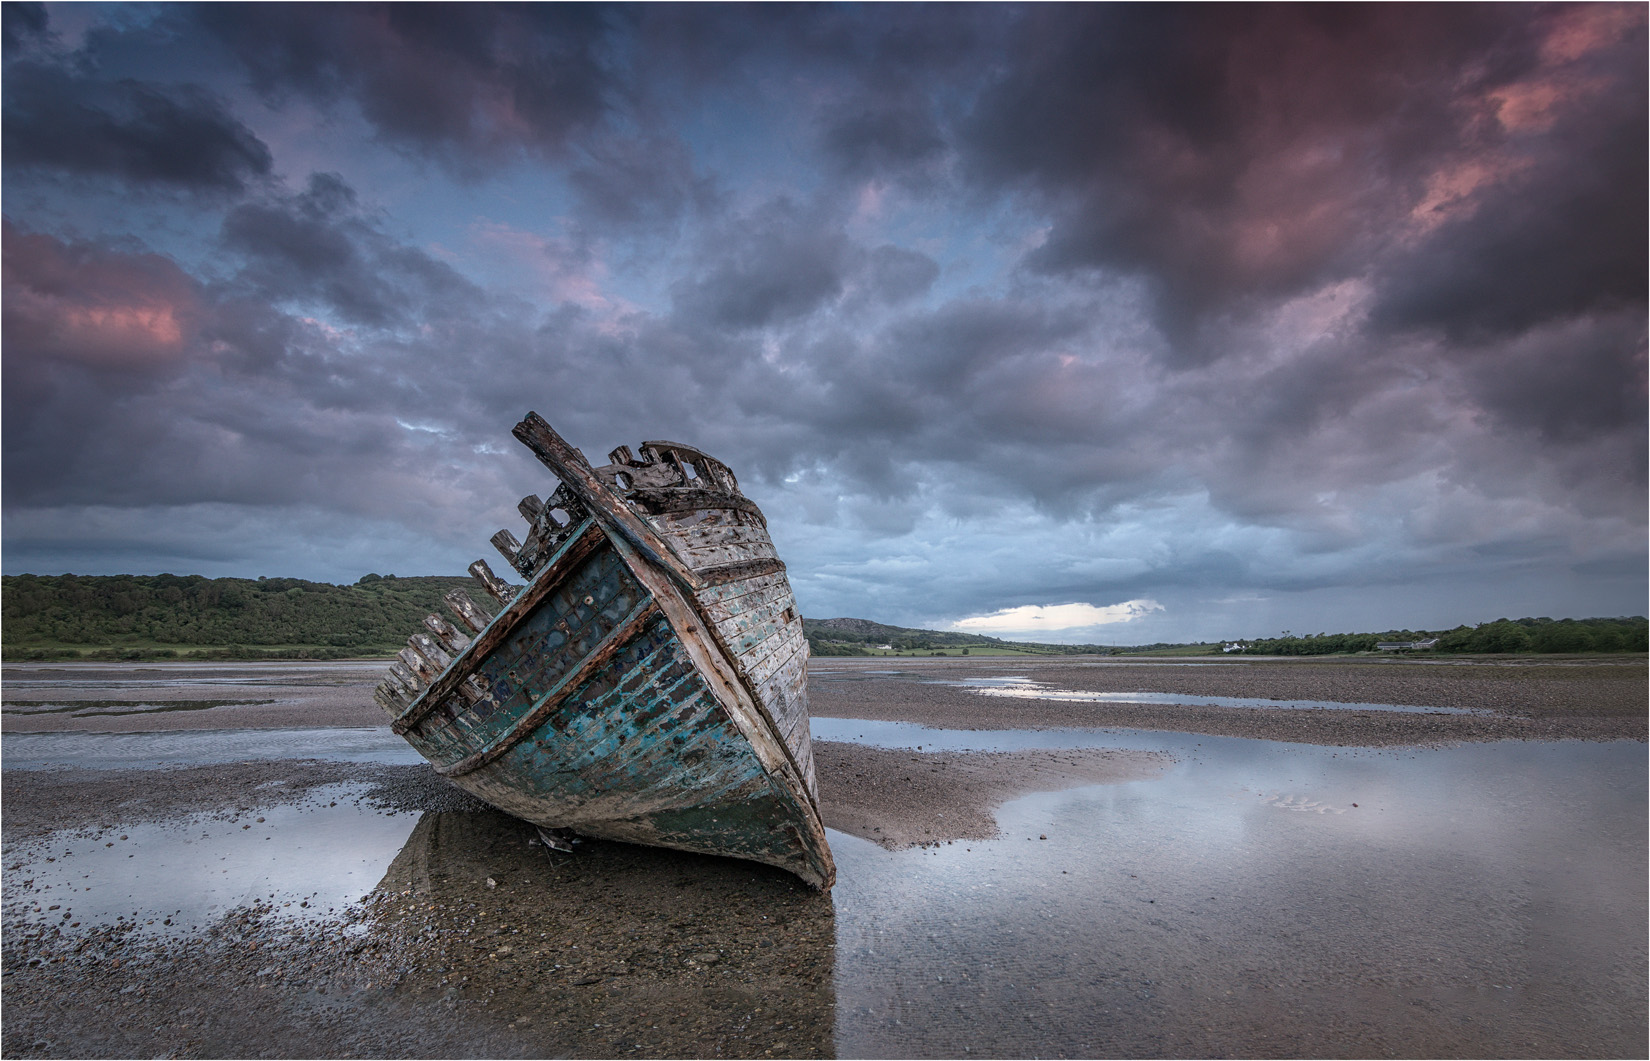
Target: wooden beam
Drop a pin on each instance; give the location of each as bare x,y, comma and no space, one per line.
496,587
569,465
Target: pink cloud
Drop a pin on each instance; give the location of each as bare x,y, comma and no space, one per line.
80,302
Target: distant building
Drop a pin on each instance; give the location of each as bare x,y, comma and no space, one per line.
1235,646
1402,646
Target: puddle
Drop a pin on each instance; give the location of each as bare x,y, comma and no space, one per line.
136,751
1021,688
306,861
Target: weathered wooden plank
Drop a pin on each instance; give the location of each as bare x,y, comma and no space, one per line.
387,699
418,666
468,612
445,634
508,547
530,507
496,587
401,676
774,660
731,598
575,473
614,641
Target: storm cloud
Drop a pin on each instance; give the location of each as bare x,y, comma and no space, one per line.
1264,316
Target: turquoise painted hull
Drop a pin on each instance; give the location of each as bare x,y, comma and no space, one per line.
601,700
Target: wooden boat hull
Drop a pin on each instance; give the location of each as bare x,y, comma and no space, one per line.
622,693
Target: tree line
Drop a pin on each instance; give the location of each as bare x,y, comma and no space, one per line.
1544,635
144,616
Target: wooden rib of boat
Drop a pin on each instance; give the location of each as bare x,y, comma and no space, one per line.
648,682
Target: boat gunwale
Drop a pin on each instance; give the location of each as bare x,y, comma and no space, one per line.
578,546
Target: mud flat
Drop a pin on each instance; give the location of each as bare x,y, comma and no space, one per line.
1583,698
159,696
1019,876
476,941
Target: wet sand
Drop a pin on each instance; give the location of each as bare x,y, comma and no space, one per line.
479,941
1585,699
899,799
150,697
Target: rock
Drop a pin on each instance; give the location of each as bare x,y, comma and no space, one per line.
707,957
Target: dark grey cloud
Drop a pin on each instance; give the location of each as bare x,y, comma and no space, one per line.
1563,236
881,135
467,83
321,245
174,136
777,265
634,181
22,24
1569,384
896,274
1232,154
130,382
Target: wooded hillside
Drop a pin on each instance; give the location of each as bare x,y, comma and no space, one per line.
160,616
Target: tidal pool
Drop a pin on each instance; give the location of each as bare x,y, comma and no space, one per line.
304,861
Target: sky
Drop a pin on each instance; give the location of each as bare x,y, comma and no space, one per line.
1112,323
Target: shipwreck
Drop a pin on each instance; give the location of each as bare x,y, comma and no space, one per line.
648,683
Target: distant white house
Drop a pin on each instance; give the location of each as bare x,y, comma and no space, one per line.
885,648
1235,646
1401,646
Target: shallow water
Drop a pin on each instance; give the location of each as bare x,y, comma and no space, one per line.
1259,898
99,708
302,862
1021,688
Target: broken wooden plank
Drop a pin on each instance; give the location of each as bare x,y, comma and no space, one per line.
496,587
468,611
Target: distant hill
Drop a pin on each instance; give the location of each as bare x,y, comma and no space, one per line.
862,637
169,616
